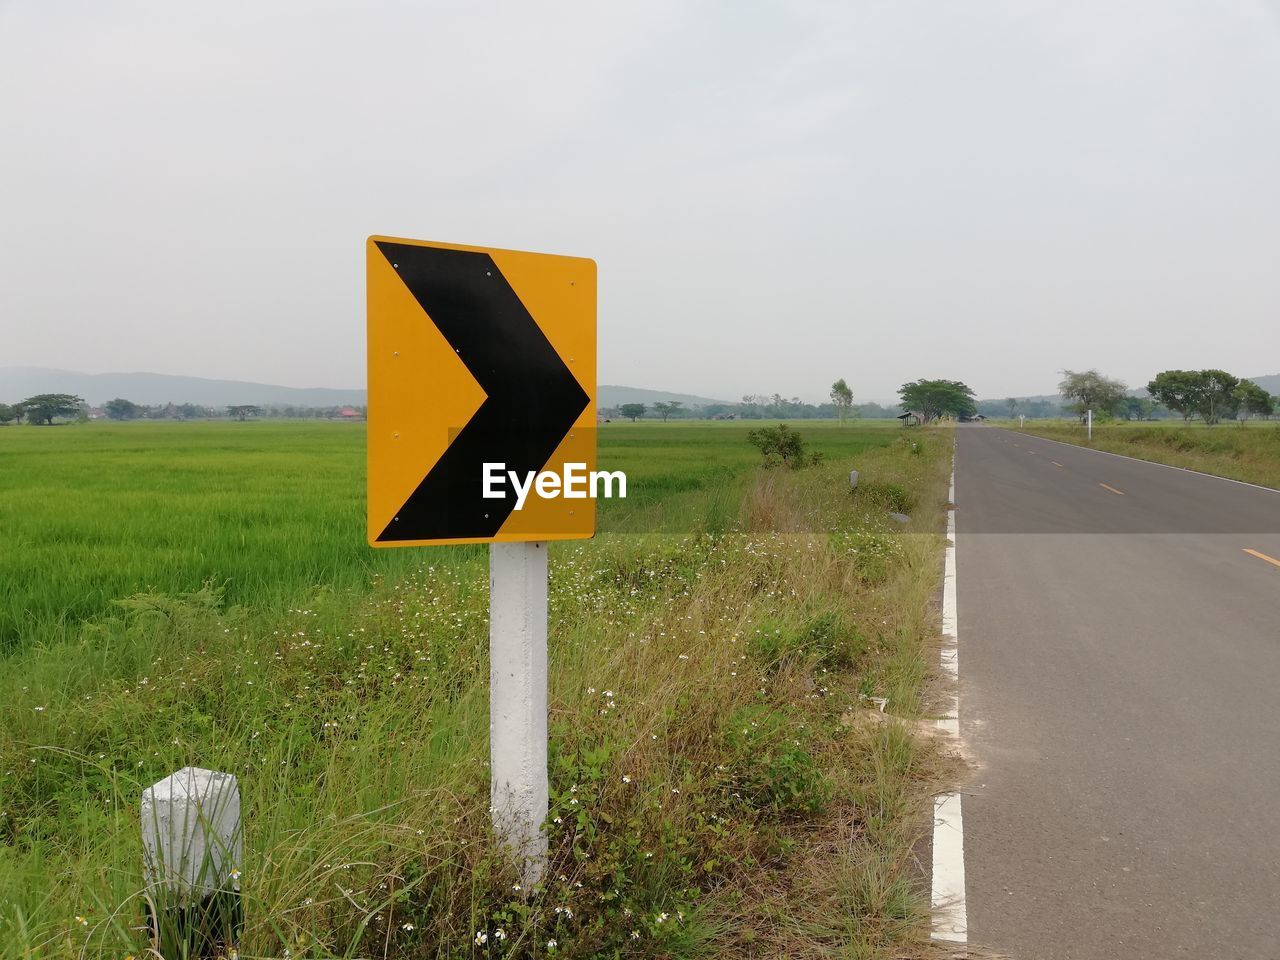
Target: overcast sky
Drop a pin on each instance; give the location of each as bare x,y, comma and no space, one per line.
777,194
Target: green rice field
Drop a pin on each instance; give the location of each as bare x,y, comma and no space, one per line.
92,513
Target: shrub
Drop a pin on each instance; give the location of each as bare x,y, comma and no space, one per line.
782,446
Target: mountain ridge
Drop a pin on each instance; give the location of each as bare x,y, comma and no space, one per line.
19,382
144,387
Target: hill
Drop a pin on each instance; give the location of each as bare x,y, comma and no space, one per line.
158,388
611,396
17,383
1271,383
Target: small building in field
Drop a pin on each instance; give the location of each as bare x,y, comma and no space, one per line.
911,418
348,413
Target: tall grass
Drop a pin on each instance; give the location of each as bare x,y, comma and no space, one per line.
721,785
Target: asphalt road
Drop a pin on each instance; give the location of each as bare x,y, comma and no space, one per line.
1120,699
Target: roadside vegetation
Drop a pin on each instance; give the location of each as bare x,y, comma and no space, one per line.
1248,450
735,765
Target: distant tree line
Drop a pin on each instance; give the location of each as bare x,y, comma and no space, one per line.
1207,395
46,408
43,409
752,407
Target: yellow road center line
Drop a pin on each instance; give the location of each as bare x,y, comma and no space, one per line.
1055,463
1112,489
1262,556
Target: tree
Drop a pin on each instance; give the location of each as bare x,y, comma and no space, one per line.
632,410
119,409
1012,404
1039,409
7,413
1179,390
1137,408
782,446
1218,395
933,398
1092,391
842,397
43,407
1207,393
1252,400
244,411
666,408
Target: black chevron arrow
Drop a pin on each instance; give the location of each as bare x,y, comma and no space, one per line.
532,397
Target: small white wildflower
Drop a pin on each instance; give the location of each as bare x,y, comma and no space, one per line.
481,938
406,927
625,778
551,945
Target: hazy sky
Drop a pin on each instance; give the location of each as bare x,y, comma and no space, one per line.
777,194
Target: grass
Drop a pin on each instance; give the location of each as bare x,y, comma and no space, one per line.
721,785
96,512
1248,451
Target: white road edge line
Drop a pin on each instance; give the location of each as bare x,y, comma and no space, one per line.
950,913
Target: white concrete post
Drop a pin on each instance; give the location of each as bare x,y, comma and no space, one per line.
1089,415
853,479
191,837
192,850
518,784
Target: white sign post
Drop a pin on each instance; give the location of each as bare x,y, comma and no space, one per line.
1089,414
518,786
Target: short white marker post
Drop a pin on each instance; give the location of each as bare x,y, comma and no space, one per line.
853,479
1089,415
518,785
192,850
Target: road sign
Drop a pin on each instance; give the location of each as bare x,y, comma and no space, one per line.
476,356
